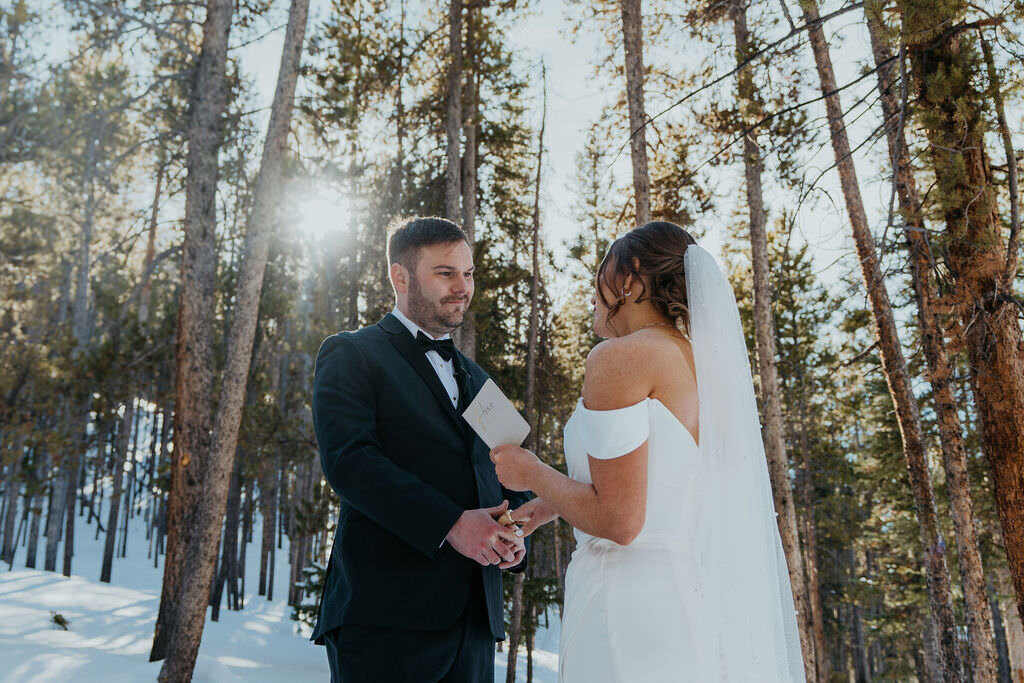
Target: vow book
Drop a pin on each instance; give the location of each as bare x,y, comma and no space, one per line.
493,417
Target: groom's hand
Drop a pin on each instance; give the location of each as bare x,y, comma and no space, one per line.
479,537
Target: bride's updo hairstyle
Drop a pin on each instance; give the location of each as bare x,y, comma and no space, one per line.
653,254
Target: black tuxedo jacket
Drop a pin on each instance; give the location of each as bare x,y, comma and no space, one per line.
405,465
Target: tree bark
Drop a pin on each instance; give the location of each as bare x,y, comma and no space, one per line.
208,517
268,511
939,369
33,533
632,40
995,88
194,352
893,362
227,575
471,125
120,451
11,502
771,398
453,111
952,111
54,518
810,538
515,627
529,397
147,281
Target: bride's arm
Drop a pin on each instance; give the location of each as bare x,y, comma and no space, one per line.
614,506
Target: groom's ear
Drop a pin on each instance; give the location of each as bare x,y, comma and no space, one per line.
399,278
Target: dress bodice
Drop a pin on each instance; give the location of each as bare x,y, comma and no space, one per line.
671,454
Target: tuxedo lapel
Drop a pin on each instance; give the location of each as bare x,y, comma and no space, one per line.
407,346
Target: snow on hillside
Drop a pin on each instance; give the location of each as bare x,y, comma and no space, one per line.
110,626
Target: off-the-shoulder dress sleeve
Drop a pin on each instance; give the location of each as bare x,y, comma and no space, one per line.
608,434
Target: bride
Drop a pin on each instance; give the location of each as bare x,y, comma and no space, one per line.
678,572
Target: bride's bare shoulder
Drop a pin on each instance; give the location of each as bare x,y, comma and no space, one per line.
617,374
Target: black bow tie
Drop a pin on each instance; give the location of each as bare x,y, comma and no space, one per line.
444,347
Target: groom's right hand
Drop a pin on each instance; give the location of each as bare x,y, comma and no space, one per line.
479,537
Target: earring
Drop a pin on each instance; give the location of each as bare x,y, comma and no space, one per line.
625,293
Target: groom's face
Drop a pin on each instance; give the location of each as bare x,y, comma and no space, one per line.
441,286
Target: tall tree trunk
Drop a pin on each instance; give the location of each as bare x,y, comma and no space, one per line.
996,91
810,537
1011,624
11,502
471,125
940,373
246,539
227,576
632,40
74,475
453,111
893,362
147,282
771,397
120,451
953,122
209,515
858,645
1002,649
81,328
529,398
194,353
268,511
54,517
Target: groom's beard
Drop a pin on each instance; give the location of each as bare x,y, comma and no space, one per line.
434,317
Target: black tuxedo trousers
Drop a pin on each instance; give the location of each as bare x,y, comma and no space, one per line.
405,466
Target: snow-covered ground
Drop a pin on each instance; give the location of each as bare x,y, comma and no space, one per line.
111,625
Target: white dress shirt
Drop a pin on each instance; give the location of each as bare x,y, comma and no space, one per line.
445,369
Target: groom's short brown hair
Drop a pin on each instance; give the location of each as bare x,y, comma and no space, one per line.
408,235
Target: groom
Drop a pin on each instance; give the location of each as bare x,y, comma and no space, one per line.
413,588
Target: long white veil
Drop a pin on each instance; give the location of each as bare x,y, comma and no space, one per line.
748,601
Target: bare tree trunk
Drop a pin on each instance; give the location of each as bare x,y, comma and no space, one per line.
453,111
227,576
1002,649
54,518
246,539
995,88
268,510
515,625
858,644
467,332
954,456
771,398
810,537
120,451
977,255
194,353
11,502
147,283
33,532
893,362
74,474
632,40
209,515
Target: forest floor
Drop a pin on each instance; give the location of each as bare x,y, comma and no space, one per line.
110,626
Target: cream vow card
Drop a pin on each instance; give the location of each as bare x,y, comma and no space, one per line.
495,420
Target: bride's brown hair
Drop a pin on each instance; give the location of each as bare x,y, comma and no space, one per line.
653,253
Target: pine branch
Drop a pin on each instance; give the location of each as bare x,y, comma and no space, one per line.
742,65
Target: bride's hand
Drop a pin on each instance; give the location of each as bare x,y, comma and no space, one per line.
514,466
533,514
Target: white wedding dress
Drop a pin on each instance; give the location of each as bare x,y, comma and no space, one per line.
702,594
